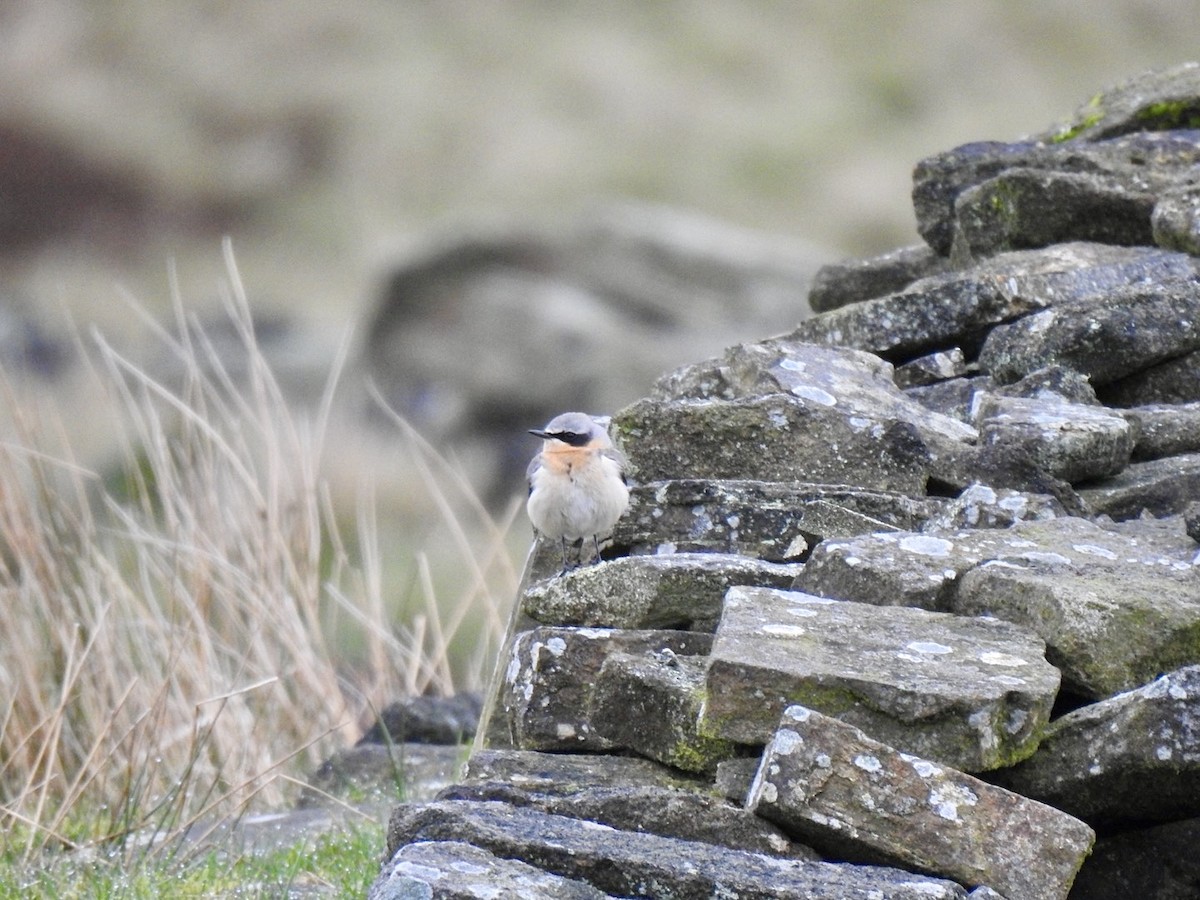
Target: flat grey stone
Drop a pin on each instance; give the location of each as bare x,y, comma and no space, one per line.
1165,429
973,693
629,864
1105,338
957,308
1105,632
1174,381
981,506
650,703
854,280
812,413
622,792
900,568
793,439
1115,605
1070,441
940,366
1156,487
1028,206
383,772
675,590
453,870
856,798
1131,760
987,196
770,521
545,697
1149,101
559,773
1175,222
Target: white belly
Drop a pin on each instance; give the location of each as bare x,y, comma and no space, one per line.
579,504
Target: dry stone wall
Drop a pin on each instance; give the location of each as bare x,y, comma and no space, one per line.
907,602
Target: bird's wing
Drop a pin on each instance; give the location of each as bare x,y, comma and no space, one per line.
534,465
619,458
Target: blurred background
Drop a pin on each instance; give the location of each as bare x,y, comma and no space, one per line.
356,153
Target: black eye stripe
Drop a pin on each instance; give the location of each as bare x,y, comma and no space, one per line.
571,437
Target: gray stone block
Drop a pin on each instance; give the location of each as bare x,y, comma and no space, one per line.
546,694
674,590
1131,760
973,693
759,520
453,870
858,799
629,864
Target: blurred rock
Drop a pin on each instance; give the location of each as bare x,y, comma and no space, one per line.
580,314
427,720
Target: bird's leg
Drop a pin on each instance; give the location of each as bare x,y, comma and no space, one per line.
563,541
596,542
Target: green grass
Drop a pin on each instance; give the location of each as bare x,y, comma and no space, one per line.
335,865
185,640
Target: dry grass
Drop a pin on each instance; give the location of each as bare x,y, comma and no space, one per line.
168,653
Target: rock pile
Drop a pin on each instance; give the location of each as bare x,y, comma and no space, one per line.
905,605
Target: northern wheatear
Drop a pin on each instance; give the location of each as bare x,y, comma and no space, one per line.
576,489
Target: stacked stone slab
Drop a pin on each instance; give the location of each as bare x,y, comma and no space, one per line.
905,604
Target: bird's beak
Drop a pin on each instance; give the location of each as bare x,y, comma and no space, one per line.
538,433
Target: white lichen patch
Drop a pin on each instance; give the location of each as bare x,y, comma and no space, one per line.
781,629
1016,722
796,548
802,612
996,658
868,763
1094,550
797,713
924,767
814,394
1045,557
564,731
1008,680
926,545
417,871
928,647
557,646
946,799
786,742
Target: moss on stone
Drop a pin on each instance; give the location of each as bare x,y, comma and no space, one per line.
1168,114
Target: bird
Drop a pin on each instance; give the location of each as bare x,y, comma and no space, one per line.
577,487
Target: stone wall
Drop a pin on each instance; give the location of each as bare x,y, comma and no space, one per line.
905,604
